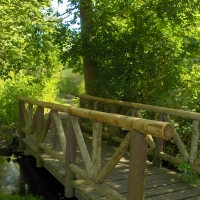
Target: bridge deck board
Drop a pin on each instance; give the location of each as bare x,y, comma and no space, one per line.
160,183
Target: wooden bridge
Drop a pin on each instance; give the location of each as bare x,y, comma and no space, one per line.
93,168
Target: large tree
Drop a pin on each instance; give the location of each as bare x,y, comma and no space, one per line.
136,50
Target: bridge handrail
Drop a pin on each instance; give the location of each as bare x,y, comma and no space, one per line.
156,145
159,129
30,123
156,109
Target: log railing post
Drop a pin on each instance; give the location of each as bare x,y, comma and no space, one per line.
178,142
39,128
136,113
53,139
30,117
96,105
82,145
82,105
70,157
96,148
159,145
120,151
46,127
137,166
60,130
194,142
21,104
111,128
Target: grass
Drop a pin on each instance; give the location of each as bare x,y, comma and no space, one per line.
4,196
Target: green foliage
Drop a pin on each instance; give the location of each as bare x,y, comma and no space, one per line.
4,196
70,83
146,46
187,172
42,88
28,56
186,96
26,37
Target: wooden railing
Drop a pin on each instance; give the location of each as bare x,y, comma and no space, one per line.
156,145
32,124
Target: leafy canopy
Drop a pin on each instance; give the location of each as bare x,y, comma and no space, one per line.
26,37
146,46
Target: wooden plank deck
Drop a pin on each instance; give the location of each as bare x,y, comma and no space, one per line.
160,183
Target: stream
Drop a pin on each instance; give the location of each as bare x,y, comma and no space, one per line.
19,175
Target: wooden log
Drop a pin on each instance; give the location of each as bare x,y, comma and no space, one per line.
70,157
53,139
21,122
178,142
33,124
104,134
129,111
117,139
149,152
154,128
170,159
151,142
84,103
25,115
194,142
108,192
135,112
53,153
159,145
39,128
121,150
96,148
89,128
87,104
174,160
81,103
82,146
26,131
96,105
46,127
60,130
156,109
137,166
30,117
111,128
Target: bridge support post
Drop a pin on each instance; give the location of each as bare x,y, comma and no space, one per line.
157,162
137,166
39,128
112,128
159,145
21,107
69,158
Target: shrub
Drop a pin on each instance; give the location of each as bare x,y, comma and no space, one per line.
70,83
41,88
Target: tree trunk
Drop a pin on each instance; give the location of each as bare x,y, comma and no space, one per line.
89,65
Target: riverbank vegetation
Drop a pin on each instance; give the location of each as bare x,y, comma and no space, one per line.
17,197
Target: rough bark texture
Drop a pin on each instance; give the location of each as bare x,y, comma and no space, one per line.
89,65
